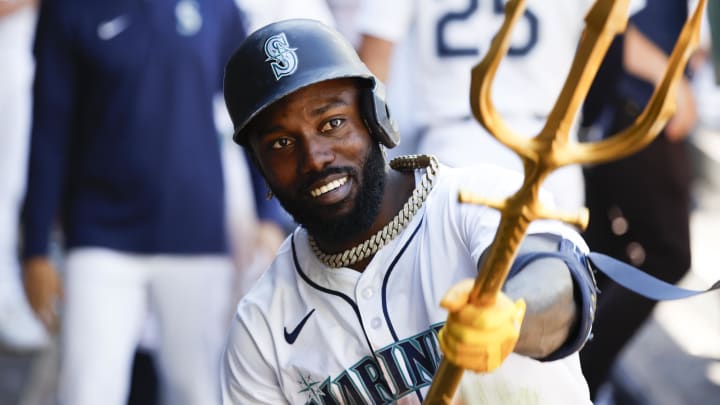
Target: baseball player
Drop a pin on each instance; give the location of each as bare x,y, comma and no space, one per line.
447,39
348,312
125,158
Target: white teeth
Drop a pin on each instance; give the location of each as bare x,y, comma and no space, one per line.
328,187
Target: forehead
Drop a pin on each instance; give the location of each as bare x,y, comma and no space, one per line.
315,95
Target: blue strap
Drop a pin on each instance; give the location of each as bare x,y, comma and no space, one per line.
581,268
640,282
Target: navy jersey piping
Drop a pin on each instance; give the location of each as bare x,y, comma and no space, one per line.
385,285
337,294
387,278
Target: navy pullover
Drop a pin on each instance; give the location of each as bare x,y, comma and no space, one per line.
124,151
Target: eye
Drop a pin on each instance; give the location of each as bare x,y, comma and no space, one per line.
281,143
331,124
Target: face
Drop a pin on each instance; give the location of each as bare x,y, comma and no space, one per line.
320,161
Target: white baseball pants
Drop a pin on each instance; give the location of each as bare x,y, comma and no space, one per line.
107,297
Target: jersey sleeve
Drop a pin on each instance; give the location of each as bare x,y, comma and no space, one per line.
478,223
262,12
388,20
53,123
246,376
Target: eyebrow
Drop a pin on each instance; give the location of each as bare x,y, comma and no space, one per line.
265,131
335,102
332,103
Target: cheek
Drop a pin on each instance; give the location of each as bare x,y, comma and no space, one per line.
274,170
360,141
279,172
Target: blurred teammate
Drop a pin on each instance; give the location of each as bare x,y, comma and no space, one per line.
19,329
448,39
399,78
639,205
125,159
259,13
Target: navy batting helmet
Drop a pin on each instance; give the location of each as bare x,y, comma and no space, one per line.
285,56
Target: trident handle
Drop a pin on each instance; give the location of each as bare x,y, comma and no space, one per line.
551,148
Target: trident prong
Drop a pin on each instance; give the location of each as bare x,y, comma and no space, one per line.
551,148
659,110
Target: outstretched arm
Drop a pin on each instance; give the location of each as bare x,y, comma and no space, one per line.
375,53
554,292
559,290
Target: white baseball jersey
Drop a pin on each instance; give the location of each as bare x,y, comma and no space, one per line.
307,333
259,13
452,36
449,37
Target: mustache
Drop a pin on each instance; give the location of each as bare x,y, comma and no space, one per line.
313,177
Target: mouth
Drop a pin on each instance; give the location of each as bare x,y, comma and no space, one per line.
328,187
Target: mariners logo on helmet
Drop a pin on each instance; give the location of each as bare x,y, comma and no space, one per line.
282,58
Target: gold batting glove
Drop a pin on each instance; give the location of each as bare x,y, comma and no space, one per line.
479,338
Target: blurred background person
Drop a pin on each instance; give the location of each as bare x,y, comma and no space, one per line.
446,39
639,205
399,73
20,330
125,158
259,13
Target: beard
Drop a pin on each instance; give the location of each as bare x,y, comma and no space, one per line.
366,205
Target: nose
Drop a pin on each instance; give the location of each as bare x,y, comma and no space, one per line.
318,154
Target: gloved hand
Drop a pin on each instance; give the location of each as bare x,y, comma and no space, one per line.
479,338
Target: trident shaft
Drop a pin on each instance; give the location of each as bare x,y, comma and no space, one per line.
551,148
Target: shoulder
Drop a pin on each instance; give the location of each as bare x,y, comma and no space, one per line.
277,279
252,336
488,179
389,20
444,208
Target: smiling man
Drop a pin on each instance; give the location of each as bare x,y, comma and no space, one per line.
331,201
349,311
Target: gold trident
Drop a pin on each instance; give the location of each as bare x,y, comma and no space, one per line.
551,149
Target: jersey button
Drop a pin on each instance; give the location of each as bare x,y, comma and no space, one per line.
367,293
375,323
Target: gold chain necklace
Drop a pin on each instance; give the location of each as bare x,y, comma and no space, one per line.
390,231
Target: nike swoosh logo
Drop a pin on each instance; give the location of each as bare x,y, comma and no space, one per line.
290,337
110,29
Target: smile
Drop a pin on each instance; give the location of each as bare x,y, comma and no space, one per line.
328,187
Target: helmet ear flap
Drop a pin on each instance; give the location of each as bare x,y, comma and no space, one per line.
376,115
